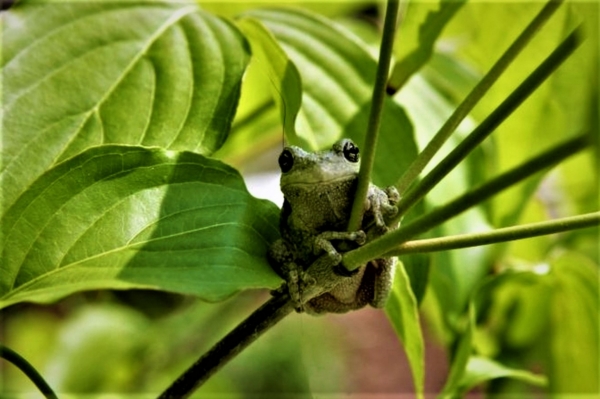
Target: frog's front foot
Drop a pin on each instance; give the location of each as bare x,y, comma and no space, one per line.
323,242
382,207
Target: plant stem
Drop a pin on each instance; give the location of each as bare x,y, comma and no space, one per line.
269,314
28,370
499,235
516,98
475,95
377,102
265,317
390,241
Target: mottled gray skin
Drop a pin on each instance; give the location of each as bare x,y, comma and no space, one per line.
318,191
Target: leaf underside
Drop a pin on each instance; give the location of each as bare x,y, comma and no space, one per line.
79,74
129,217
88,201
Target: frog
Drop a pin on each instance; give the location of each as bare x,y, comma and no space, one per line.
318,190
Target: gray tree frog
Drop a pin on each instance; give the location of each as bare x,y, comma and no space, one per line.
319,189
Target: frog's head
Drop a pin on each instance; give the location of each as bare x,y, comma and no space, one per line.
299,167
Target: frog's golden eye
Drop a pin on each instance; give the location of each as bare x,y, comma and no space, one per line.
350,151
286,161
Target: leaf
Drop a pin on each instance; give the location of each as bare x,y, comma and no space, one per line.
283,75
428,32
333,67
461,356
481,369
337,74
113,335
120,217
575,331
403,313
79,74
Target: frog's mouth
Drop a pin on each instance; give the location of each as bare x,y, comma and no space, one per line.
316,180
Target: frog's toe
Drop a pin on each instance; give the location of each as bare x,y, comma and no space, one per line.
359,237
392,194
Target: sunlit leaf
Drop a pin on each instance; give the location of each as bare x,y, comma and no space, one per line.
481,369
461,357
80,74
429,30
480,33
282,73
126,217
114,336
403,313
337,72
575,331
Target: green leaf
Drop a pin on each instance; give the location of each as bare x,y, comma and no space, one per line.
334,68
283,75
480,369
461,356
120,217
113,335
337,73
80,74
575,321
403,313
428,32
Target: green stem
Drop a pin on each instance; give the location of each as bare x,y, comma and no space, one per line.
377,102
475,95
28,370
388,242
516,98
499,235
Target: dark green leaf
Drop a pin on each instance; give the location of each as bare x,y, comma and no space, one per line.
80,74
126,217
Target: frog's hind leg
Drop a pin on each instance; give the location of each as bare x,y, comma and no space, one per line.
296,279
384,280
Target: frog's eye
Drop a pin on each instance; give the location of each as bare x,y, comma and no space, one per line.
350,151
286,161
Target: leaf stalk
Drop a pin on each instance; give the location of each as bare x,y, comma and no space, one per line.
269,314
514,100
388,242
27,369
498,235
475,96
377,103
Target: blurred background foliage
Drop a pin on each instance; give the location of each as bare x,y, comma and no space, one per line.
536,301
